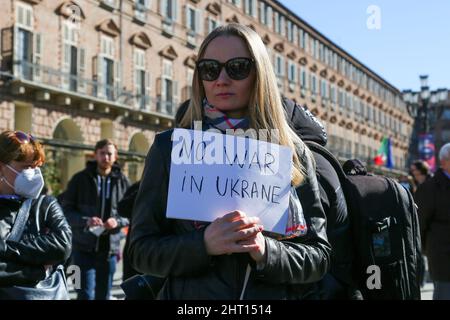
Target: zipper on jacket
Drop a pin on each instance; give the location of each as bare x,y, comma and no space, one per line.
247,276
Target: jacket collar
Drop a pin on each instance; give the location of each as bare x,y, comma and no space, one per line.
442,179
91,168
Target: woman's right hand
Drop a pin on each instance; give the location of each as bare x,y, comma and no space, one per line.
223,234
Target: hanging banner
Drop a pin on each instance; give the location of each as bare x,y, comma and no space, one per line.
427,150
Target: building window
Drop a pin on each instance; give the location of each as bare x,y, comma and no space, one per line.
106,71
212,24
169,9
107,47
303,79
313,84
364,109
282,25
277,22
28,44
321,53
140,9
141,80
237,3
279,65
292,72
374,115
266,13
349,102
269,15
313,48
340,98
348,149
294,34
306,41
24,16
356,106
290,33
301,40
187,91
356,152
169,89
24,53
323,89
262,13
193,20
73,64
333,93
250,8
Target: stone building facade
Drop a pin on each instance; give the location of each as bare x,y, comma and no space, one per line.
73,72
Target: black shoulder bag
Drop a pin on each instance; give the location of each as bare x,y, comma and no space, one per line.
53,287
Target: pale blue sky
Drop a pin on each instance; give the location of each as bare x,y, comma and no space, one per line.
414,37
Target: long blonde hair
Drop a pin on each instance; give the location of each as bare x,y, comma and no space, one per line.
265,108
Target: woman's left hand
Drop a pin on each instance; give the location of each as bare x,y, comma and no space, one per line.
258,254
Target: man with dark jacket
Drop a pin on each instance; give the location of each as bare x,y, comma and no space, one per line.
433,200
90,204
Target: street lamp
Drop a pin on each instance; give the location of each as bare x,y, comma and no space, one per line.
411,107
423,81
418,107
443,95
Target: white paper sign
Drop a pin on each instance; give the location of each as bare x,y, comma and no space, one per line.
212,174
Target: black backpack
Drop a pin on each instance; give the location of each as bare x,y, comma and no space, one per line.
385,231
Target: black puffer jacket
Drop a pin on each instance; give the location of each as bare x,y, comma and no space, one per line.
46,240
82,200
175,248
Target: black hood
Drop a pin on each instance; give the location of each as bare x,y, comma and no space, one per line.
91,167
304,123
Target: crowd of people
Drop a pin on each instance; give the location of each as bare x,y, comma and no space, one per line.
232,257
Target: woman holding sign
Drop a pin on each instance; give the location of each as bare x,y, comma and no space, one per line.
234,87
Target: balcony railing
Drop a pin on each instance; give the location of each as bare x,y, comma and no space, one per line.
61,81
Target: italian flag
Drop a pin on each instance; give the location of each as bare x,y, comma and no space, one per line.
384,154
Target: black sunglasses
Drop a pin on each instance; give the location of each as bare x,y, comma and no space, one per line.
236,68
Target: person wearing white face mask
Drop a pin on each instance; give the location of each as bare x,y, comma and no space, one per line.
28,184
34,233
